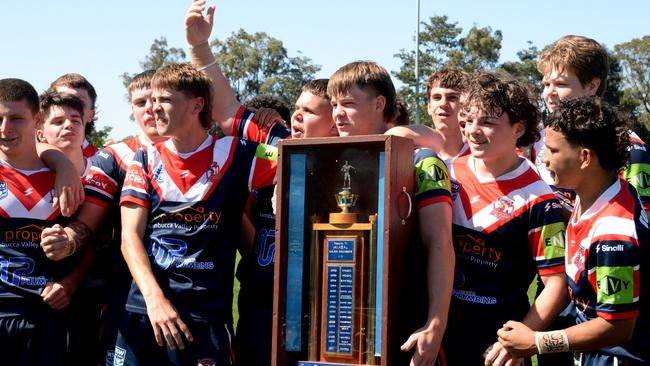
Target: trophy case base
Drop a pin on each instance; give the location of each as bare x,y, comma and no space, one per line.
343,217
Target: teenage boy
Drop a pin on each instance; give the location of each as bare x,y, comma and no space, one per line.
444,90
587,144
80,87
363,101
31,331
576,66
103,183
192,186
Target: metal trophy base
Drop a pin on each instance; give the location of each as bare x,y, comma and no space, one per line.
343,217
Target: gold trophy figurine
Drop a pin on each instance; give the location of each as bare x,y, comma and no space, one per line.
345,199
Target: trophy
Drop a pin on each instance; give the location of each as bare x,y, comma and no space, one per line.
345,199
339,284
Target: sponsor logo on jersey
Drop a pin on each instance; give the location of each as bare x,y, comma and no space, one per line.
134,176
4,190
615,285
206,362
159,174
476,250
103,154
609,248
119,356
502,208
642,180
192,215
29,233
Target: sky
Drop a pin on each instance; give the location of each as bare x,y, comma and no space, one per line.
43,39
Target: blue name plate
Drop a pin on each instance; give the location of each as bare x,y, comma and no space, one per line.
340,250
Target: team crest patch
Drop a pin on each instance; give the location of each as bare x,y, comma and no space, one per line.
502,208
213,172
119,356
455,188
206,362
4,191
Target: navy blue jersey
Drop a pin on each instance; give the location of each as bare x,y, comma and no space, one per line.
195,203
25,210
607,255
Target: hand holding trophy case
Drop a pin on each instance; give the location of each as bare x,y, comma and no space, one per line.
339,282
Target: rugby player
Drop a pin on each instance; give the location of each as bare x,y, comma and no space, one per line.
32,331
587,144
80,87
507,225
186,196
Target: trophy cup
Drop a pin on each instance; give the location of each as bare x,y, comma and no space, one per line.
345,199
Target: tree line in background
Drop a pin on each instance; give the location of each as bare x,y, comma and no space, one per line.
260,64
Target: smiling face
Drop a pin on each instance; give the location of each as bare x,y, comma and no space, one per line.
17,124
312,117
565,84
443,108
490,135
357,112
562,160
63,127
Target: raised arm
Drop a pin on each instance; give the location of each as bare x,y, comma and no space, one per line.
197,32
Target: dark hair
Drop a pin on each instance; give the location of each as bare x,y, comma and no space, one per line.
273,102
317,87
583,56
52,98
367,76
77,81
189,81
16,90
502,93
141,81
402,115
593,123
452,78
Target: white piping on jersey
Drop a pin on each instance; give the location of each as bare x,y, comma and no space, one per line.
168,189
169,144
484,219
598,205
23,171
42,210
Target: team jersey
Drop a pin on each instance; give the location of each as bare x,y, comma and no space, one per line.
103,183
431,179
464,151
255,270
88,149
25,210
637,170
195,202
245,127
606,258
505,231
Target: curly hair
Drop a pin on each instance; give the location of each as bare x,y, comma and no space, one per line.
501,93
593,123
271,101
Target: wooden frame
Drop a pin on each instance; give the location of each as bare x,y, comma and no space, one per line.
388,157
